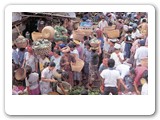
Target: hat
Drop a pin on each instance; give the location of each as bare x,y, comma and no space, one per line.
94,48
65,49
20,74
117,46
77,42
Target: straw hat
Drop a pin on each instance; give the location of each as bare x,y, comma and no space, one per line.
76,42
65,49
20,74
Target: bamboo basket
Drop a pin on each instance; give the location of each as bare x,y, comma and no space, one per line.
36,36
77,67
113,33
87,30
109,28
67,87
78,35
48,32
144,62
20,42
42,51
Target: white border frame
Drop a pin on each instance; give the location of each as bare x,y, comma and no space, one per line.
87,105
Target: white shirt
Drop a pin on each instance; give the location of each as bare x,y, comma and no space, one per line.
75,51
111,77
116,59
141,52
123,70
144,90
33,81
102,24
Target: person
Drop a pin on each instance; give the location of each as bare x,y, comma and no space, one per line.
139,70
110,78
104,65
21,54
86,58
102,24
47,78
33,81
56,58
117,55
144,82
30,59
144,27
15,56
65,63
141,52
77,77
128,43
78,48
93,66
42,60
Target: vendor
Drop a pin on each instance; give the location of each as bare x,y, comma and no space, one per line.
46,79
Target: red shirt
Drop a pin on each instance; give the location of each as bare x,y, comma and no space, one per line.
139,72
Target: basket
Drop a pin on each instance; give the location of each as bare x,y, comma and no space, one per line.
48,32
144,62
113,34
42,51
87,30
67,87
21,42
77,67
109,28
36,36
78,35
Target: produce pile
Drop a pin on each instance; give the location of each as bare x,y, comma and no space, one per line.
77,90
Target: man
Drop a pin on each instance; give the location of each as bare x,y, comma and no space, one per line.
110,78
141,52
102,24
117,55
47,78
56,58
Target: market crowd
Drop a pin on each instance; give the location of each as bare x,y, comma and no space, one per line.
119,64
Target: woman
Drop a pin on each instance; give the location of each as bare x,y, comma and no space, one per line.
93,66
33,81
30,59
65,63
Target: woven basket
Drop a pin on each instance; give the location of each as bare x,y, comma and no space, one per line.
42,51
20,42
144,62
77,67
36,36
109,28
78,35
48,32
87,30
113,34
67,87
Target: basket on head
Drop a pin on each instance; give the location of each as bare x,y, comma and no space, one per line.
87,30
21,42
20,74
78,35
77,67
48,32
113,33
67,87
36,36
109,28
